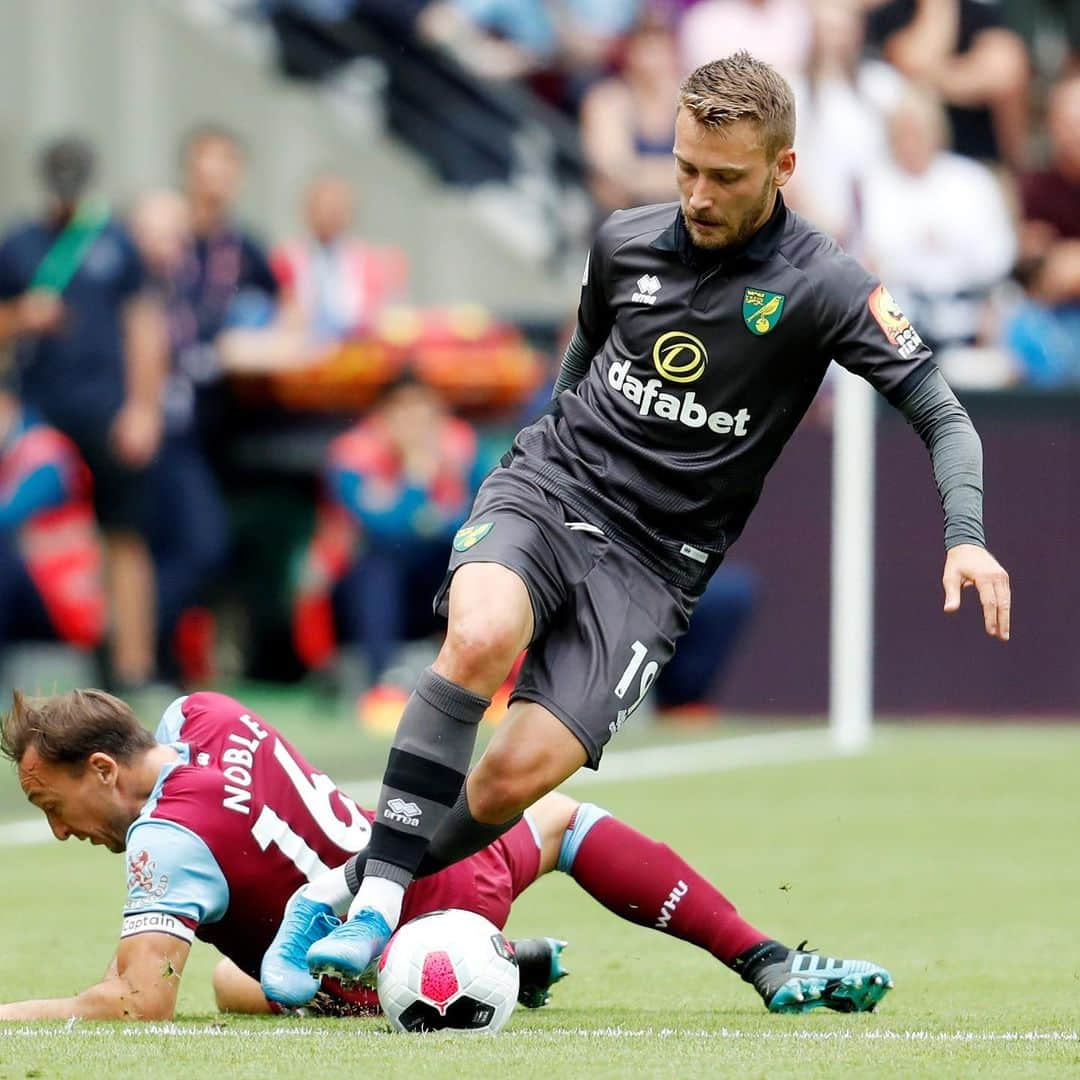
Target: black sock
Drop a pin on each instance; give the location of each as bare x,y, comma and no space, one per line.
749,963
424,774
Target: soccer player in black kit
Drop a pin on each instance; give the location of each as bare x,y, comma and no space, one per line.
704,330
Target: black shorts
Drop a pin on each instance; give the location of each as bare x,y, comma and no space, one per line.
122,495
605,625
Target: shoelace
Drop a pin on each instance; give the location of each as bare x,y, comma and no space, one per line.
296,947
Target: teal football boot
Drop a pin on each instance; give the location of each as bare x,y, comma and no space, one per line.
804,980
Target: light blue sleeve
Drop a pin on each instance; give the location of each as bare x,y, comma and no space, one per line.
172,871
172,719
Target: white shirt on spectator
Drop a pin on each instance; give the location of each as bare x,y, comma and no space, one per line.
780,32
840,137
940,240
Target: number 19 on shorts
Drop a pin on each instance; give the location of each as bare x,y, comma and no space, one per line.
645,673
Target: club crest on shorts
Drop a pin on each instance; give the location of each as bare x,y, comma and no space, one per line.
761,310
470,535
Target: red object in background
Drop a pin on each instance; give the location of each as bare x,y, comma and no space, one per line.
60,546
328,557
193,646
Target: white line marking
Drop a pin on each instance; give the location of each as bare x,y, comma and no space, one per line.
218,1030
618,766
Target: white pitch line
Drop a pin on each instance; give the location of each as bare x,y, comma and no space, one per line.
218,1030
618,766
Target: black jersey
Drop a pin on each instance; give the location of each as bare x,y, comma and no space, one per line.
703,366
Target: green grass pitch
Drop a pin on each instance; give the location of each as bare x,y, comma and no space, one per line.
949,854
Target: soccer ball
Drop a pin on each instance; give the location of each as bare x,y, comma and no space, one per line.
449,969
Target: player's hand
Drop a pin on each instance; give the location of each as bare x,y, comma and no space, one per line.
968,565
40,311
136,434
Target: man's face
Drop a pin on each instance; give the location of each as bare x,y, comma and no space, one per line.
727,181
85,804
161,225
213,170
329,208
913,140
411,413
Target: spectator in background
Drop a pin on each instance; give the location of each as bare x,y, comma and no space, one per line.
505,39
50,557
936,226
495,39
91,356
1029,17
840,135
398,486
190,536
964,52
627,125
225,279
1045,333
338,283
780,32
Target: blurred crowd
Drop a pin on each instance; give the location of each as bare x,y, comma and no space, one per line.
939,140
127,336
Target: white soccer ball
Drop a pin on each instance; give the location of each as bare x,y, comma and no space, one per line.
448,970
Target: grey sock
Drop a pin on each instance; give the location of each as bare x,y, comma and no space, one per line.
460,835
425,772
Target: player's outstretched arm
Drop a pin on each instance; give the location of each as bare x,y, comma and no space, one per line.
971,566
141,985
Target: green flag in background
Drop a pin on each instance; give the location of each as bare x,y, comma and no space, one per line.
69,250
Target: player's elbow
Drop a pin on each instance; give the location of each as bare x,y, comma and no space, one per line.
152,1012
148,1006
146,1002
1005,56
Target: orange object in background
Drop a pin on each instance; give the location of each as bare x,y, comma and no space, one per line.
473,359
380,708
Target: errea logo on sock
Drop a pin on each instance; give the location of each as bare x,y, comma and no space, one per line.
403,812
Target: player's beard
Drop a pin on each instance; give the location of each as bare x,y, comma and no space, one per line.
734,234
114,835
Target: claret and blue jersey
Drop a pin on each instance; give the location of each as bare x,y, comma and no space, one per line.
231,829
240,820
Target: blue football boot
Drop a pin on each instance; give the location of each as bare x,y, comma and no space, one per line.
284,975
351,948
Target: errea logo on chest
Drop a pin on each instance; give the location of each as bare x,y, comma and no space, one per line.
648,285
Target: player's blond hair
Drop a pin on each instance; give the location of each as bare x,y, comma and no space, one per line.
65,729
741,87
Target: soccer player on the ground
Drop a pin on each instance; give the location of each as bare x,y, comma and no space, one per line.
222,821
704,330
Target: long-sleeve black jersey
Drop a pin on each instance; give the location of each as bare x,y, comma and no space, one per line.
702,365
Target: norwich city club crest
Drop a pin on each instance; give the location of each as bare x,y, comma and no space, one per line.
470,535
761,310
